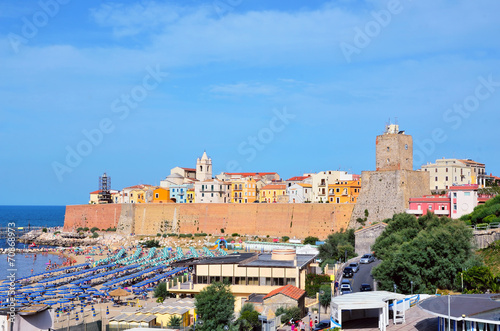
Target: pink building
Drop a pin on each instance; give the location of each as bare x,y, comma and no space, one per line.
438,204
460,200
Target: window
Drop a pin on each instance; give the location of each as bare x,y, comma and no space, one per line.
253,281
436,179
446,178
454,194
290,281
446,169
338,200
338,190
157,195
278,281
467,194
436,170
388,148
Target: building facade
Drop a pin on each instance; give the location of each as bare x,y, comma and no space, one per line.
344,191
178,193
445,173
212,191
244,191
273,193
299,193
204,168
321,181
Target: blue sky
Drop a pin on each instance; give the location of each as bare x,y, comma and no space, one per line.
136,88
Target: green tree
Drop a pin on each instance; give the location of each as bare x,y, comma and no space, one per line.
161,291
288,313
314,282
174,321
150,243
285,238
310,240
337,244
249,318
215,307
479,279
429,251
325,298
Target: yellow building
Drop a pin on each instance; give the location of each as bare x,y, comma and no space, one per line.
344,191
161,195
190,195
244,191
248,273
273,193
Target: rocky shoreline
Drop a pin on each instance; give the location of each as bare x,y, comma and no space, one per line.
59,240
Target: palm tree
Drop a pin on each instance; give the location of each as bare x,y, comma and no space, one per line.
174,321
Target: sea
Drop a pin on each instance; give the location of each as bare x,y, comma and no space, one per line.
28,216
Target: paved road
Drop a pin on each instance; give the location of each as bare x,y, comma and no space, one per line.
363,275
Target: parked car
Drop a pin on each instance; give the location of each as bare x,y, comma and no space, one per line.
348,273
324,324
365,287
367,258
354,266
345,288
345,281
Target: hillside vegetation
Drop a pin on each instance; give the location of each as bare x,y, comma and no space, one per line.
485,213
429,251
491,257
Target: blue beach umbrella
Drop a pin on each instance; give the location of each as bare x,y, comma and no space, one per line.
69,296
38,299
51,302
63,300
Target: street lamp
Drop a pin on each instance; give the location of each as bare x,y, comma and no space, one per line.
411,282
321,292
395,287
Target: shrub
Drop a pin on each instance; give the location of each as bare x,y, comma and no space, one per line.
158,234
79,229
95,235
235,235
44,230
85,229
164,235
285,238
221,230
57,232
94,229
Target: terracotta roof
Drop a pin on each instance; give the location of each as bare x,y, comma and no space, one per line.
246,174
298,178
464,187
288,290
470,162
188,169
305,185
274,187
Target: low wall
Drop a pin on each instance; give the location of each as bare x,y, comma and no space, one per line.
293,220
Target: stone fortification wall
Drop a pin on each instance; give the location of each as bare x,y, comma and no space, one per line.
102,216
293,220
484,238
385,193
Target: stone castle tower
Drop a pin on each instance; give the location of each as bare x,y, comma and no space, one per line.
387,190
204,168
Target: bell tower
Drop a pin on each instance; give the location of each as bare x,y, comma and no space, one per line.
204,168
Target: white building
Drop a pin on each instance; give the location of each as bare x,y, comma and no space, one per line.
212,191
463,200
299,193
321,180
448,172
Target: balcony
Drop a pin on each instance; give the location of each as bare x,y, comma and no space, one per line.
414,211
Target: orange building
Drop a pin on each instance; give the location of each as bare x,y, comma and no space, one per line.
161,195
273,193
344,191
244,190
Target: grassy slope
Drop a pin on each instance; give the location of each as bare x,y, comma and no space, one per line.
491,257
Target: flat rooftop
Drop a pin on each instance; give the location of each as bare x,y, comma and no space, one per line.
481,306
255,260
